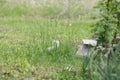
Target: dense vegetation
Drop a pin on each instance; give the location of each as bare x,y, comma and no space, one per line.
28,29
104,62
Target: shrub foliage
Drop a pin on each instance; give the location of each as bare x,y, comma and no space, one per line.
103,63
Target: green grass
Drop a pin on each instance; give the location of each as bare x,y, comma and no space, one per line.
24,40
24,43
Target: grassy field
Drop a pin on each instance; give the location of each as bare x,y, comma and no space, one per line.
25,35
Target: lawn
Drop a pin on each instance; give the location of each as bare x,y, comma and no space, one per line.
24,40
24,43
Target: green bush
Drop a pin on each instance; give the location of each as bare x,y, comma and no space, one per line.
103,63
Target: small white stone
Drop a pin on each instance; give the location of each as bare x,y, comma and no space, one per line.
90,42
